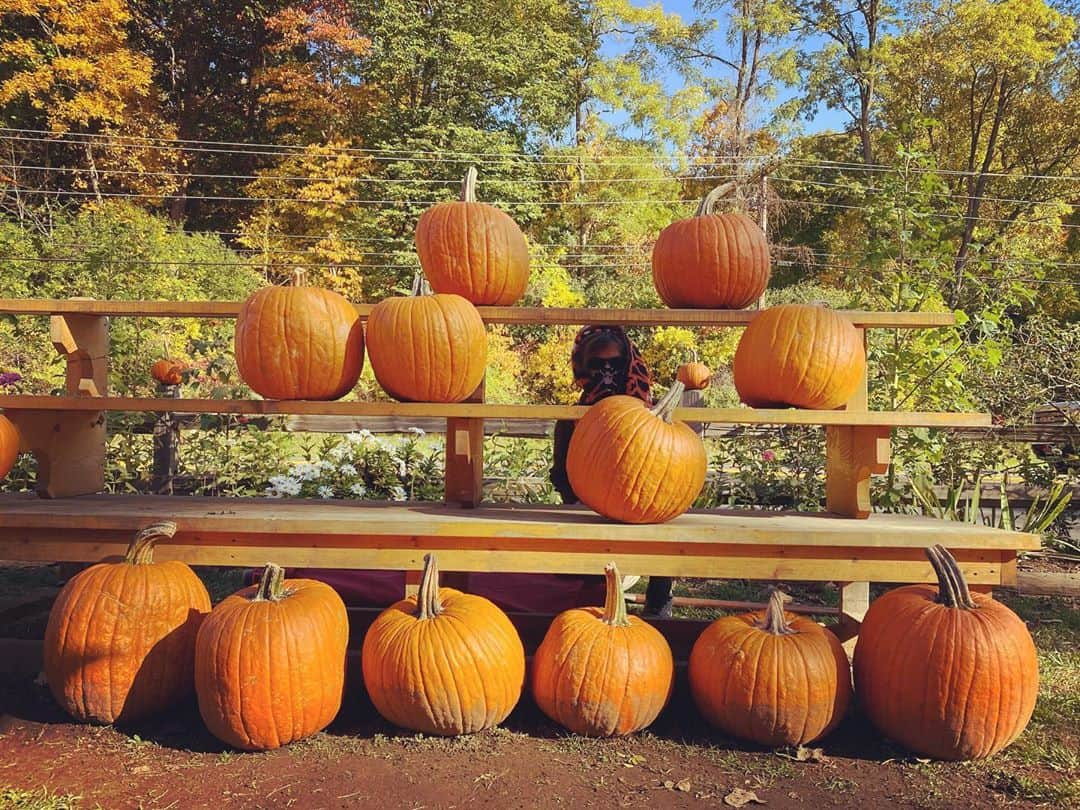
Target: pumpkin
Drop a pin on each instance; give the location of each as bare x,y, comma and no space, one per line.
270,662
695,376
944,672
299,343
650,469
9,445
443,662
473,249
168,372
120,641
427,348
799,354
600,672
717,261
773,678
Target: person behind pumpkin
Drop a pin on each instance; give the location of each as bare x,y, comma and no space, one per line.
606,362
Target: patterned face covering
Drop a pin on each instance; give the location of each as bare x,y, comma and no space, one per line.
600,377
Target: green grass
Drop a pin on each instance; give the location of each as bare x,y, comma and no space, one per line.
40,799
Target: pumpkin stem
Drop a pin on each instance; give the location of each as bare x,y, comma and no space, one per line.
468,185
299,277
427,598
952,587
669,402
614,601
420,285
708,202
141,550
271,585
774,621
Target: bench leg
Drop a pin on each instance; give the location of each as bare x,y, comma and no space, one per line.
854,602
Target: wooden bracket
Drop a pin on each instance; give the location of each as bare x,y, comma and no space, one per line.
465,457
83,340
854,602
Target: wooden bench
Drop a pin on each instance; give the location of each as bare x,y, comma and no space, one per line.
846,544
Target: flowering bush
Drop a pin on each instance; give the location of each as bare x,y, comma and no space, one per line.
363,466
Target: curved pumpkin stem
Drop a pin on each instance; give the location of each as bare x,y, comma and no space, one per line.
141,550
468,185
299,277
427,598
952,587
774,621
614,601
420,285
271,585
667,404
707,206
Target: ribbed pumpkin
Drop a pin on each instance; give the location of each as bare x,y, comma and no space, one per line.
695,376
120,642
9,445
600,672
427,348
946,673
799,354
632,464
270,662
473,249
716,261
774,678
443,662
168,372
299,343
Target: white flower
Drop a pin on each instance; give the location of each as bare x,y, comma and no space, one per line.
325,465
285,486
418,432
397,493
347,469
325,492
358,489
401,468
360,436
278,481
338,452
273,493
305,472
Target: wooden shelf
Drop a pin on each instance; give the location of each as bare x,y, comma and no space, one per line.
348,534
552,316
744,416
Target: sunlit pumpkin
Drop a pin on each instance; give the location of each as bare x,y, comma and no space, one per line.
799,354
168,372
473,249
120,642
631,463
695,376
946,673
9,445
600,672
443,662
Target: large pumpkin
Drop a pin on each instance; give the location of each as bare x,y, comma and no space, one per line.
427,348
946,673
443,662
715,261
633,464
473,249
120,642
799,354
774,678
600,672
9,445
270,662
299,343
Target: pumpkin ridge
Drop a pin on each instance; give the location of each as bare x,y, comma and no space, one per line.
583,689
613,481
560,675
662,490
651,439
449,686
467,644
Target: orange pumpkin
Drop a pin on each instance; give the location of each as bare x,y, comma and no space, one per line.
270,662
299,343
120,641
716,261
799,354
9,445
168,372
946,673
600,672
443,662
774,678
427,348
473,249
633,464
695,376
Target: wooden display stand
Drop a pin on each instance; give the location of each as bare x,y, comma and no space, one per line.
848,545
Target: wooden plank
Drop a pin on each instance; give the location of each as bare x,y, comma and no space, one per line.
125,514
464,472
747,416
517,315
1055,583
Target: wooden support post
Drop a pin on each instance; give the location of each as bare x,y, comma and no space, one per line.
852,455
465,457
70,445
166,440
854,602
